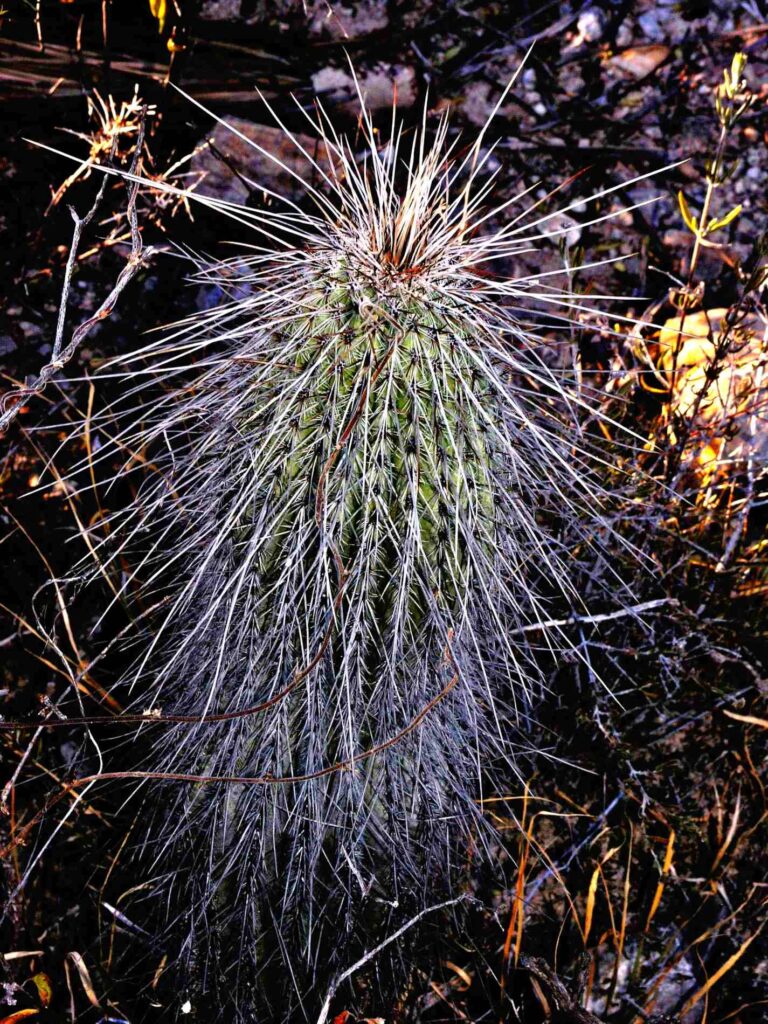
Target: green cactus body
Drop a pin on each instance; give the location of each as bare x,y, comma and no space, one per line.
373,500
381,442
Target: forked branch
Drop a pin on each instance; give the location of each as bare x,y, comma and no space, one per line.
12,401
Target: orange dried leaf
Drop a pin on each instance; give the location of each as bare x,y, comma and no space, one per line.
590,904
465,978
720,972
666,866
748,719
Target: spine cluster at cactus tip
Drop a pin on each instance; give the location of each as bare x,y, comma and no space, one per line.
355,469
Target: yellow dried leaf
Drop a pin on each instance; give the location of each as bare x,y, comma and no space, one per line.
44,988
691,337
721,971
709,455
592,892
85,979
159,10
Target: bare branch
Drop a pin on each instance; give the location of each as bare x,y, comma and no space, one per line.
12,401
619,613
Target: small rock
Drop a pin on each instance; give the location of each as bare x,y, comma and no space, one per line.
626,34
341,22
480,98
333,82
675,238
571,79
640,61
220,10
380,86
650,29
265,157
591,25
561,227
477,105
33,332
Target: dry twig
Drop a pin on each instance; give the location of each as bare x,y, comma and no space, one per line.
373,953
11,402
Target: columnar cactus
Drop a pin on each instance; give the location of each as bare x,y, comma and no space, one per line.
351,514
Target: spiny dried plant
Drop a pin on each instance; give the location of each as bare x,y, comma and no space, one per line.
363,480
114,129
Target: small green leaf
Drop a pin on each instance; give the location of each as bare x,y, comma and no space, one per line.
733,80
721,222
686,212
